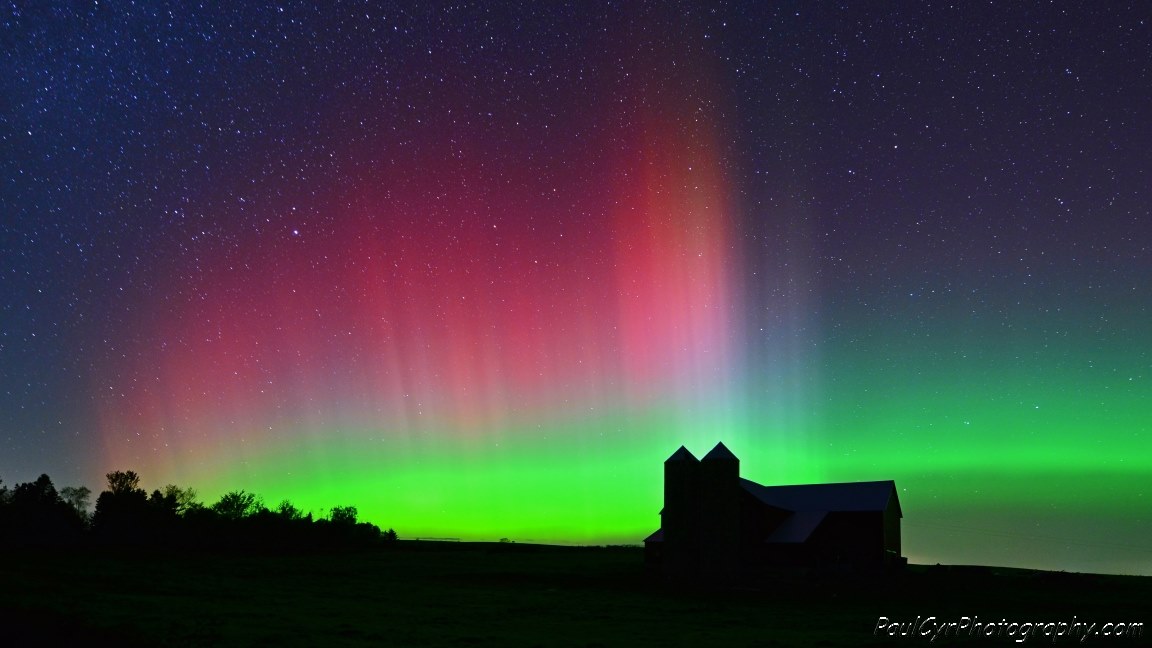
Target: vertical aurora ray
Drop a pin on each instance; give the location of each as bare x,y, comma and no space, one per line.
677,303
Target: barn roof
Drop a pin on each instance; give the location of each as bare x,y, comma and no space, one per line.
682,455
850,496
720,452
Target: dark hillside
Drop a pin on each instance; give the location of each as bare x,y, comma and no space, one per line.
461,594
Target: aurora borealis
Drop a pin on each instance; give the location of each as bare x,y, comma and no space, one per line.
479,269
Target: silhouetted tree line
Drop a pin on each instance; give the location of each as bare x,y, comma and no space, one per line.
36,514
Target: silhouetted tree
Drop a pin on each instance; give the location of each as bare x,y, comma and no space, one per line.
123,481
236,505
122,513
35,514
287,511
185,498
163,506
77,497
38,493
390,535
5,517
161,522
343,515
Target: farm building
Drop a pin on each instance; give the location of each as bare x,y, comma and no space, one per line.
717,526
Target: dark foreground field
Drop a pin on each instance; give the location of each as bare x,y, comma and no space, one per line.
423,594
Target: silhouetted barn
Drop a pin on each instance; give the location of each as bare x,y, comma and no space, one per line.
717,526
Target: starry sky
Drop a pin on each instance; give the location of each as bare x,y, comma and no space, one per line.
479,268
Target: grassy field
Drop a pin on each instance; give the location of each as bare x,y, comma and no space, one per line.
445,594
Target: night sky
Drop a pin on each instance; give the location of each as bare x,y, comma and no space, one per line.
478,269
